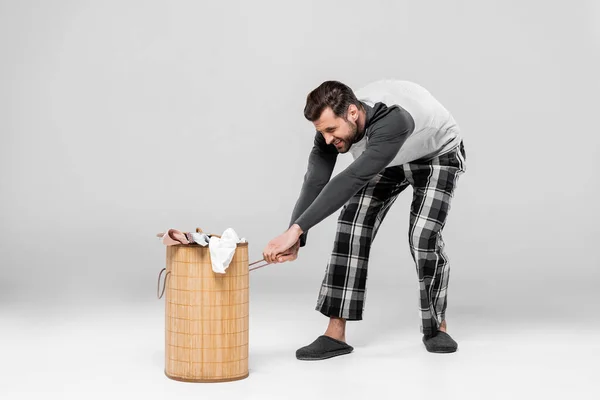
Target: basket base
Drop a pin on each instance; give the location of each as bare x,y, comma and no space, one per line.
235,378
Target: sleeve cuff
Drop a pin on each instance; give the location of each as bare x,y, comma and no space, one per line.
303,239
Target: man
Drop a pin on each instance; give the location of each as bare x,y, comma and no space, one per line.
398,135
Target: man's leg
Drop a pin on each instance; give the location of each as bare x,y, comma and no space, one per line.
342,293
434,182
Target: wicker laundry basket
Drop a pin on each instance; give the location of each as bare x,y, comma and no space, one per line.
206,316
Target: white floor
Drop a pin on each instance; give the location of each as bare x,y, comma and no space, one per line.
77,352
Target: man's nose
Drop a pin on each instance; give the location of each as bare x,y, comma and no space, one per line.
329,138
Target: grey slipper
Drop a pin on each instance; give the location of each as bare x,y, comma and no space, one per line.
323,347
440,343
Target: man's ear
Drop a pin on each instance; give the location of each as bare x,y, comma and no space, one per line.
353,112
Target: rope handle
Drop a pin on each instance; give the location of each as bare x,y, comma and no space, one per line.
256,262
160,293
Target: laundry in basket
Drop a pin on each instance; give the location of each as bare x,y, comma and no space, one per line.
221,247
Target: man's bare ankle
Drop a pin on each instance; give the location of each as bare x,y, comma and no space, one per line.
336,328
336,335
443,327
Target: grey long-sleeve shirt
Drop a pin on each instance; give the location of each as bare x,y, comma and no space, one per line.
392,136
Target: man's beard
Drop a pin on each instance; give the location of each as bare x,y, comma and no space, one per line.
351,138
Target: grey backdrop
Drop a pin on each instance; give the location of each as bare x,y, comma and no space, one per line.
120,119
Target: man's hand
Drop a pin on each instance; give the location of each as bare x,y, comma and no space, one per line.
281,248
290,254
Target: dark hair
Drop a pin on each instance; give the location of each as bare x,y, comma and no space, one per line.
332,94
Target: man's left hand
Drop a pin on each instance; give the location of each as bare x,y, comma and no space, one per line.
282,243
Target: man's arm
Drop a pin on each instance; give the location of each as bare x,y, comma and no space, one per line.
385,141
321,163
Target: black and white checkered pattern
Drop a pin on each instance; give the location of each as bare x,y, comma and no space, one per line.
343,289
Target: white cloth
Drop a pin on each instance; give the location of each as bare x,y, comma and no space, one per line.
222,249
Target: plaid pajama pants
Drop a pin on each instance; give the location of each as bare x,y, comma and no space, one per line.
342,292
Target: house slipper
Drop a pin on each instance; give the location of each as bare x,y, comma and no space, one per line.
441,342
323,347
173,237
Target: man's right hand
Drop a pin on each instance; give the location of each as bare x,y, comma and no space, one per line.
290,254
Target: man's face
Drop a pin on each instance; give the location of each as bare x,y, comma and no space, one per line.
336,130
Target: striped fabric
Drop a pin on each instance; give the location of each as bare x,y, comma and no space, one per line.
343,289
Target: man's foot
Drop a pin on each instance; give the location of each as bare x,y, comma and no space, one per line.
322,348
440,342
331,344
